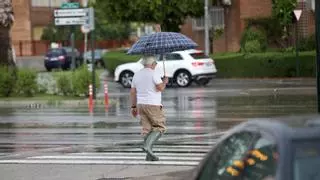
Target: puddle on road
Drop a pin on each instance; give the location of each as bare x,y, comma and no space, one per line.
198,115
182,108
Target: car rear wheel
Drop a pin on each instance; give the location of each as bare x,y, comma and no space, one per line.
126,79
183,78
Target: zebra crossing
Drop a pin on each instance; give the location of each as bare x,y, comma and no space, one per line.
60,135
184,153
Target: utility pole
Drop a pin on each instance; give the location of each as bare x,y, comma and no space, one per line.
206,27
85,4
317,14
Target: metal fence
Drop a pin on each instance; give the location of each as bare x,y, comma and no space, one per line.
39,48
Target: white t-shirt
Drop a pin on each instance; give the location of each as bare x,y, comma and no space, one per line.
145,82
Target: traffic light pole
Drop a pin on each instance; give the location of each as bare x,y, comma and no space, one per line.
317,14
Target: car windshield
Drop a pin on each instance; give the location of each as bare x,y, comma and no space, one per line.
199,55
307,160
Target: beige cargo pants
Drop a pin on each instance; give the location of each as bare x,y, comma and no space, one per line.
151,118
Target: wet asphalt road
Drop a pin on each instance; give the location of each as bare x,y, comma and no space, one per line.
56,136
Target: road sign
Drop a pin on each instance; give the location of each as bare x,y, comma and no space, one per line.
70,5
297,13
71,21
70,12
78,16
85,28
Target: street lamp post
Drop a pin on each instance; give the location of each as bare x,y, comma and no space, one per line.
317,14
206,27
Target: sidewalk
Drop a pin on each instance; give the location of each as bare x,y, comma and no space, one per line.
92,172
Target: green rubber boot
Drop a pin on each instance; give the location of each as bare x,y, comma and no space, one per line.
151,138
149,157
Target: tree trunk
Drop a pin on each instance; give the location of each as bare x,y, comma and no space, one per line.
4,46
6,21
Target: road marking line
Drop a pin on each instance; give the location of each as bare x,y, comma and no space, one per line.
138,154
96,162
66,157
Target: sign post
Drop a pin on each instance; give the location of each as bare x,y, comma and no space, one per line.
85,30
297,14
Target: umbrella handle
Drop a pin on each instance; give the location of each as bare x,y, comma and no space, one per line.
164,67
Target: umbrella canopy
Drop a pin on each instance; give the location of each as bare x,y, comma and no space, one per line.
162,43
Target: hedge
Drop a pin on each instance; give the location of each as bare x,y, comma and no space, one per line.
237,65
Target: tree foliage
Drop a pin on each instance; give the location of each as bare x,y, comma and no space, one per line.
283,10
103,31
169,13
54,33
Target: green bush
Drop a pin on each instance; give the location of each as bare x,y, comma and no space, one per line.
26,83
64,84
308,44
7,81
252,46
263,65
113,59
81,79
255,65
251,34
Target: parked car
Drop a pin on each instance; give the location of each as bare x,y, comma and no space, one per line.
182,68
98,56
61,57
263,150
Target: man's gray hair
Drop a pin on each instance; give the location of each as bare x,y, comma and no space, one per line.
148,60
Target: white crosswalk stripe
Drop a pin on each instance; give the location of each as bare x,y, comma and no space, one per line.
176,154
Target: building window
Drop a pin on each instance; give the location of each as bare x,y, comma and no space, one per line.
48,3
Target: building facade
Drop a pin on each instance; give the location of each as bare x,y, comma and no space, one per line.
31,17
232,21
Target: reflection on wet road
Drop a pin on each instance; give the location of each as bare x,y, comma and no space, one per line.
195,118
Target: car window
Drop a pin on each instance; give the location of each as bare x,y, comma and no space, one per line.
171,57
261,162
199,55
306,160
229,152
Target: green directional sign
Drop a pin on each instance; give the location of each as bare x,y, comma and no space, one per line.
70,5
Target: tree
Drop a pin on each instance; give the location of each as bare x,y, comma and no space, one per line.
283,11
169,13
54,33
103,31
7,63
6,21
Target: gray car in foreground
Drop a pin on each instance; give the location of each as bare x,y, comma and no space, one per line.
264,150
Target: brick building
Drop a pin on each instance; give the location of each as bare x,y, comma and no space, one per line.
31,16
232,19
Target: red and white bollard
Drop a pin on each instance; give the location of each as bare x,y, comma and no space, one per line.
106,96
90,98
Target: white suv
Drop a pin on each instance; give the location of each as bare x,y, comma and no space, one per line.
182,67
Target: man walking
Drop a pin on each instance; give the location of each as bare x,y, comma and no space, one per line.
146,89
